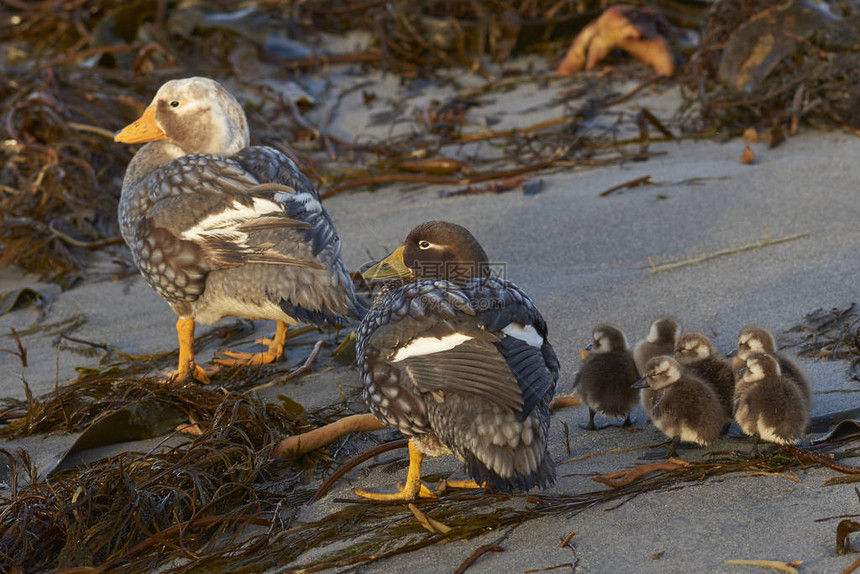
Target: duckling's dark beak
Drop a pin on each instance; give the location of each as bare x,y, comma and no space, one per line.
392,267
641,384
742,370
732,353
583,352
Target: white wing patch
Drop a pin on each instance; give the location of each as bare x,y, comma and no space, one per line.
429,345
225,224
525,333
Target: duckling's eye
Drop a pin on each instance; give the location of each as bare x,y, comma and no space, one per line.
174,104
424,245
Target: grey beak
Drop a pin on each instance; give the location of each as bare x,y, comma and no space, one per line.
640,384
589,346
732,353
742,370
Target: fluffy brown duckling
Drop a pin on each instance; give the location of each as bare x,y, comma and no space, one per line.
768,405
604,382
218,228
755,339
697,355
661,340
682,406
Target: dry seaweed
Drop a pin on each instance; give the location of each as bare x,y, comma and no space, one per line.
120,511
831,334
812,79
224,502
137,510
76,70
435,33
472,515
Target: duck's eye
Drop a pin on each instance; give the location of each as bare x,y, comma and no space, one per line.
424,245
174,104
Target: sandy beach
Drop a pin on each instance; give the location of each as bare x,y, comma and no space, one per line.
584,259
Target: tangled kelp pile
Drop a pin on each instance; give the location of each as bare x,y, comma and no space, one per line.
74,71
771,64
222,504
828,334
67,88
201,493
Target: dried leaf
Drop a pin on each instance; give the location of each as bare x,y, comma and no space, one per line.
433,526
11,300
844,428
757,46
290,405
748,156
144,419
634,30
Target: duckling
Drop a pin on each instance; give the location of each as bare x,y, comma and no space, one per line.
458,360
695,353
220,228
604,383
682,406
768,405
755,339
660,341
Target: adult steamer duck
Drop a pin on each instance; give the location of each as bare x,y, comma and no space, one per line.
219,228
459,362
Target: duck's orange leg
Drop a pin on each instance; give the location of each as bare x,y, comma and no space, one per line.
274,351
188,369
413,488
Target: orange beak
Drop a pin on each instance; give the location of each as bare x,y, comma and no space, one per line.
145,129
